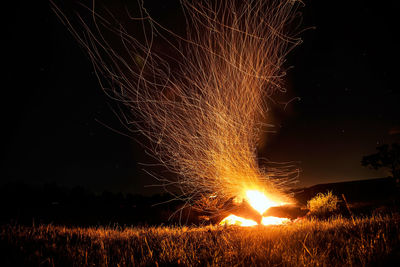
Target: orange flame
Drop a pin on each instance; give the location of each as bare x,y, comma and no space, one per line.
236,220
261,203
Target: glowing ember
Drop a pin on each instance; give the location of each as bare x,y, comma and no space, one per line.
235,220
270,220
260,203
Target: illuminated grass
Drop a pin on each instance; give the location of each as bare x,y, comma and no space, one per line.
323,203
335,242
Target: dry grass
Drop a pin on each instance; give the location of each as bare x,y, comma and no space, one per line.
323,203
333,242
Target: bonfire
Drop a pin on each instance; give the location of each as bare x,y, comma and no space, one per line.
202,100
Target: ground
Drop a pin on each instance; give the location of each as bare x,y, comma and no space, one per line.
336,241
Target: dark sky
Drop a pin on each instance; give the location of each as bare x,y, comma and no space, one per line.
345,74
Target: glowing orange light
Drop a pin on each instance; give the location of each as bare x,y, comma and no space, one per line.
236,220
261,203
270,220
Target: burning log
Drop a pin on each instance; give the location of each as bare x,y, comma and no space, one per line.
244,210
286,211
215,216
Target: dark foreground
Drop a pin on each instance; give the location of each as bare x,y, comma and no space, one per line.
334,242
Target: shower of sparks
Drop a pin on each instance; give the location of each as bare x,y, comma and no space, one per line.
205,105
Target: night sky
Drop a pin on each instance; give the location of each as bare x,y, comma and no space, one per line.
53,110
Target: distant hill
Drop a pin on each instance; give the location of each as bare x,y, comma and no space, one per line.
49,203
379,190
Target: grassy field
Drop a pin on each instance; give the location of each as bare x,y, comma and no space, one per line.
333,242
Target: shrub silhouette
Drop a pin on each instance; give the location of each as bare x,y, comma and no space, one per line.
323,204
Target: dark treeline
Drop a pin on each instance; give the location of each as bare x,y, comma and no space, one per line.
50,203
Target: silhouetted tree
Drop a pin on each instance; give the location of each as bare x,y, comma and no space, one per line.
388,157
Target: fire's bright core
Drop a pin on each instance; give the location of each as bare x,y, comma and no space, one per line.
261,203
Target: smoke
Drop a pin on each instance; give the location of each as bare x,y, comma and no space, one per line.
202,98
